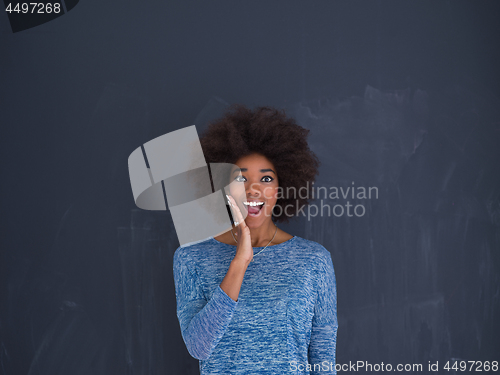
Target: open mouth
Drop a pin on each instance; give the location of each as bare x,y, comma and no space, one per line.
253,208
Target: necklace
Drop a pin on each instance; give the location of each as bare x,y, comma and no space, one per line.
265,246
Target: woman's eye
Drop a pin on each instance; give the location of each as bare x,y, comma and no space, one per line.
243,179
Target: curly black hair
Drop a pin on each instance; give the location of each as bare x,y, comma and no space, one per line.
270,132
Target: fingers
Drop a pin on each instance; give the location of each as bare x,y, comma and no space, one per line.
244,242
236,212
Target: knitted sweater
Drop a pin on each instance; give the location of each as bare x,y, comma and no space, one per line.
285,318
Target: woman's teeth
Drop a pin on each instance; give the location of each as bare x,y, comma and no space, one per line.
253,203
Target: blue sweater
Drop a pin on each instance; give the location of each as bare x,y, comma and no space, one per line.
285,319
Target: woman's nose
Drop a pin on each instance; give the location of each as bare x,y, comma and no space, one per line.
254,190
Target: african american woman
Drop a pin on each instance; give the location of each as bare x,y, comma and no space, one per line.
256,299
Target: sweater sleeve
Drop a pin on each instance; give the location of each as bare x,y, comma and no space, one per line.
324,324
203,322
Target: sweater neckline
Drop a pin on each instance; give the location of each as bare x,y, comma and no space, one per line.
260,247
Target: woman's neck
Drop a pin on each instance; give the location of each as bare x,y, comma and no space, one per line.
261,235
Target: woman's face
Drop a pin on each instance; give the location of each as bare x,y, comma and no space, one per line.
261,185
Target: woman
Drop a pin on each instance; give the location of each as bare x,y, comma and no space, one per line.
258,300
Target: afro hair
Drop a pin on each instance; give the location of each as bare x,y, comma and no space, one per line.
270,132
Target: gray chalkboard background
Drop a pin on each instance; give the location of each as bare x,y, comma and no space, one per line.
401,96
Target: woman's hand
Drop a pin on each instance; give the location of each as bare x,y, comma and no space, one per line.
231,284
244,249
